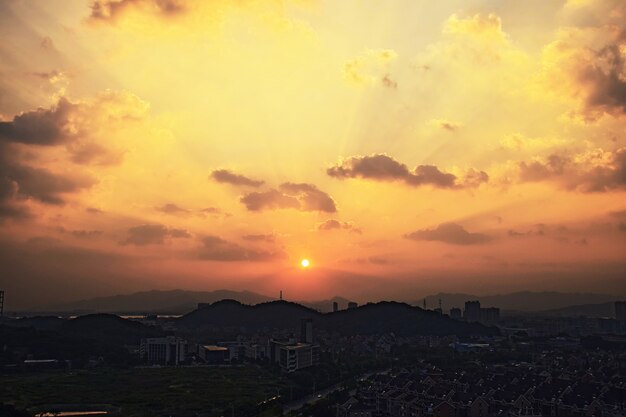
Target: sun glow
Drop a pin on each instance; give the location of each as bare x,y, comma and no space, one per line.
305,263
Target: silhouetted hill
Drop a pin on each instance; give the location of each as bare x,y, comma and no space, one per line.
401,319
326,306
587,310
109,328
518,301
372,318
164,302
105,328
231,313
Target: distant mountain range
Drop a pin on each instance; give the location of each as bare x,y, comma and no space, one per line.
182,302
173,302
526,301
588,310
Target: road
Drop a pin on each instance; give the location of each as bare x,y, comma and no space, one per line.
318,395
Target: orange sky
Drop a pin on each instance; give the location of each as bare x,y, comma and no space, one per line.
404,148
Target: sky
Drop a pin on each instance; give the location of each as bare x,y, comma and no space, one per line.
403,147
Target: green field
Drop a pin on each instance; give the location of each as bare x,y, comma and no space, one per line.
148,391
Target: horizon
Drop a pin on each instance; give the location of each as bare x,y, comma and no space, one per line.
556,300
311,146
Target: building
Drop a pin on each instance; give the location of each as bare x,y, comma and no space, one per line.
455,313
472,311
292,356
335,306
298,356
620,310
168,350
489,316
213,354
306,331
352,305
475,313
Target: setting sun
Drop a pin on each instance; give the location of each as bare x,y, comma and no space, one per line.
305,263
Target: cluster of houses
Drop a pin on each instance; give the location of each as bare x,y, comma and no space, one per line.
556,386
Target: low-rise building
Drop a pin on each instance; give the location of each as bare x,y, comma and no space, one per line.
168,350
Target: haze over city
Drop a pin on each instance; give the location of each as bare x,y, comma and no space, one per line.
316,147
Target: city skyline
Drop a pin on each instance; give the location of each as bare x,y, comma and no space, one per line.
321,148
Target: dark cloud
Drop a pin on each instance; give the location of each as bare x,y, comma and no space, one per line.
23,182
474,178
46,43
389,82
259,238
579,172
269,200
381,167
378,260
215,248
170,208
39,127
228,177
9,211
86,234
300,196
332,224
451,233
110,11
310,197
619,214
604,78
448,125
152,234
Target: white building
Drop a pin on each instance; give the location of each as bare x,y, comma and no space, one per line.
168,350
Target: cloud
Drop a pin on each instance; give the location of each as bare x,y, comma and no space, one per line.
332,224
259,238
110,11
484,27
310,197
152,234
215,248
451,233
228,177
381,167
170,208
389,82
587,61
371,67
448,125
86,234
376,260
84,127
40,127
591,171
300,196
25,182
269,200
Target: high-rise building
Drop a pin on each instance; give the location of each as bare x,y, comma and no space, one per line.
489,316
620,310
352,305
335,306
306,330
472,311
